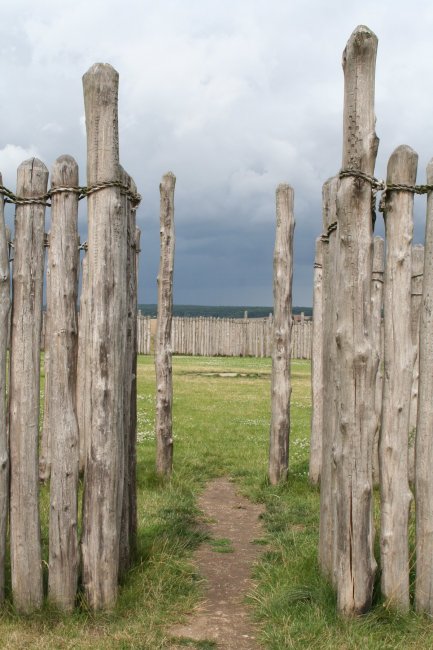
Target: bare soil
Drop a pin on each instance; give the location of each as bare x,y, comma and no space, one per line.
225,562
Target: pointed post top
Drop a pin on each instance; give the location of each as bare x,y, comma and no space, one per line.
360,142
362,37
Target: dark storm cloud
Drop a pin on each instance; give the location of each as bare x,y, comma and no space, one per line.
234,98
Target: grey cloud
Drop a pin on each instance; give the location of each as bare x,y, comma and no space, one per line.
234,98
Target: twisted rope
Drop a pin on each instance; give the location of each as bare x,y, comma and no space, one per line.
384,187
10,197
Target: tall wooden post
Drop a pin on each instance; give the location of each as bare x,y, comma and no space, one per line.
164,386
45,438
397,382
103,491
317,369
327,533
416,301
424,447
376,337
28,270
83,370
133,408
130,368
356,365
63,259
280,382
5,303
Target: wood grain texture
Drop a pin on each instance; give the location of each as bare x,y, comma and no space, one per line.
45,442
377,344
133,522
424,439
399,357
63,260
315,463
83,369
5,304
416,301
103,491
128,383
356,362
280,379
28,269
327,531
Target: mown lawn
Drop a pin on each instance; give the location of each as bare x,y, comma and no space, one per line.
221,422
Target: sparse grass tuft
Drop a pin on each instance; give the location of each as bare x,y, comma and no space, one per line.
221,545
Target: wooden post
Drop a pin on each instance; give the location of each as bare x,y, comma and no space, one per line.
424,448
103,491
416,301
376,338
270,330
5,304
164,386
133,524
83,371
124,542
356,365
327,532
317,369
129,396
281,386
63,260
28,270
45,442
397,382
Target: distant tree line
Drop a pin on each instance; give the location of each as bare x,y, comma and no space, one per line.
220,312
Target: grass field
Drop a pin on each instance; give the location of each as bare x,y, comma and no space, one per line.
221,422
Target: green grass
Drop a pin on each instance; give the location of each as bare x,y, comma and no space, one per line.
221,545
221,427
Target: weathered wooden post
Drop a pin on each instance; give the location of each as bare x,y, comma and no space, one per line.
327,532
133,409
63,260
5,304
317,369
376,337
280,382
83,371
164,386
28,269
423,448
416,301
356,365
45,441
129,396
397,381
103,492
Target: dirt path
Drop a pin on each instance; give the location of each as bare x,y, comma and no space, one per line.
226,564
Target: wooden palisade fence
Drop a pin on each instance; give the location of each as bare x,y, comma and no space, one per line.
227,337
205,336
89,405
376,372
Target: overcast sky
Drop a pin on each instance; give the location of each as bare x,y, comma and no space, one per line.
234,98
